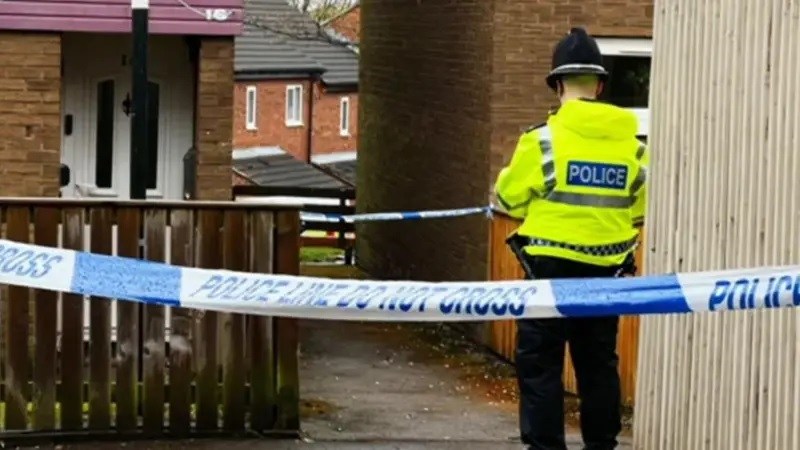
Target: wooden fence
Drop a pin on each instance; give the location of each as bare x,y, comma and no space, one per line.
500,336
153,370
339,201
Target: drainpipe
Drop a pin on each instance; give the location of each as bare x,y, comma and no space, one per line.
309,140
190,158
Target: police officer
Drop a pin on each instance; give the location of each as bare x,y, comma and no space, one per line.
579,183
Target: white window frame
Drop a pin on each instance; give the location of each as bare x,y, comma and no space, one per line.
632,47
251,108
344,117
294,118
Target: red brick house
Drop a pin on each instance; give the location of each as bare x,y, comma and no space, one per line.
348,23
65,77
296,85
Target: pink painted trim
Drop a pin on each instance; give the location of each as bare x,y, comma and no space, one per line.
167,16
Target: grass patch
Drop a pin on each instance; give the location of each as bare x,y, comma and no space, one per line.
320,254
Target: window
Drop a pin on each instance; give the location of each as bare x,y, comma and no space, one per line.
628,82
628,64
250,108
344,116
104,137
294,106
153,109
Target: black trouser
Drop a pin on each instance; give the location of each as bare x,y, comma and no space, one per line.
540,365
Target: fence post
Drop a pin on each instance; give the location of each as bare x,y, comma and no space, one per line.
348,249
287,261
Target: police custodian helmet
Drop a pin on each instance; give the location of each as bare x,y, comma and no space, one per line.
576,54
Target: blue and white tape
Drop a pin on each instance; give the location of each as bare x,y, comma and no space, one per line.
319,298
409,215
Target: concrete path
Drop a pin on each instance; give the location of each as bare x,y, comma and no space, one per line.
385,382
406,386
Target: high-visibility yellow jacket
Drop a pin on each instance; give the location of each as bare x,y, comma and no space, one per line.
579,183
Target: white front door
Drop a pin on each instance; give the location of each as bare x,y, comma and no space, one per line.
97,123
104,171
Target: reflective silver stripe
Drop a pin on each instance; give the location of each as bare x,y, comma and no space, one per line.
579,67
641,176
638,182
618,248
640,151
548,161
599,201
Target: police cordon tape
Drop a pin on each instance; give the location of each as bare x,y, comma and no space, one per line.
389,216
85,273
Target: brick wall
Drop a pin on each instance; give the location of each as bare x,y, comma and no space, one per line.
425,132
271,119
348,25
523,52
215,118
327,138
445,92
30,114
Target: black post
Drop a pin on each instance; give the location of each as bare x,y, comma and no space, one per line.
140,166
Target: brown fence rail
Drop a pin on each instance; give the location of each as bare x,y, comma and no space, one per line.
147,369
500,336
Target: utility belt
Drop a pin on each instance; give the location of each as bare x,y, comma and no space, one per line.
517,244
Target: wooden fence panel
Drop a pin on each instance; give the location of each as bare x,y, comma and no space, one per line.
154,351
181,352
260,330
102,220
72,357
129,222
45,376
127,385
500,336
208,331
233,333
287,261
16,326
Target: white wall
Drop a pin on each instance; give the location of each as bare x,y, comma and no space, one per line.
725,193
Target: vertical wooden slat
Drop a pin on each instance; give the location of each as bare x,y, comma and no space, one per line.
102,219
44,371
209,246
234,258
72,361
128,227
154,347
260,331
287,254
16,326
180,340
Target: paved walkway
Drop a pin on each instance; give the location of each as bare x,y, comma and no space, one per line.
405,386
385,382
